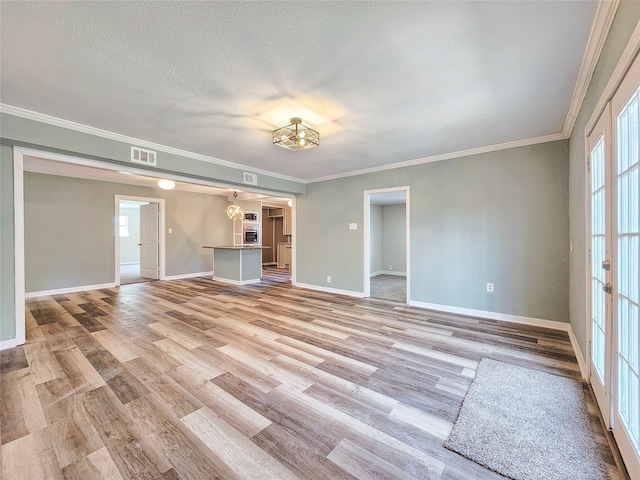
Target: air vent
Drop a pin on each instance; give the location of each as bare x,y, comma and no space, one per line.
140,155
250,178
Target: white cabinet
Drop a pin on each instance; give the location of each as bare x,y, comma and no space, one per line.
284,254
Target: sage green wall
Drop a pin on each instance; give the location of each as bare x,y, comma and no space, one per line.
33,134
375,242
129,248
394,245
499,217
625,21
7,265
69,230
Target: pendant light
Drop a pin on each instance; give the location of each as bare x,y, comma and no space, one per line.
235,212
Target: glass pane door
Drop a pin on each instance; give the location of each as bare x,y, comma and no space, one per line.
628,271
600,279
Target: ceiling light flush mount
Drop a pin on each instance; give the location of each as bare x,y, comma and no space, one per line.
235,212
296,136
166,184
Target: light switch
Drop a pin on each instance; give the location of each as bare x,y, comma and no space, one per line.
353,226
171,230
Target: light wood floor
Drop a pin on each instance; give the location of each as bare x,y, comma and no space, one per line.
196,379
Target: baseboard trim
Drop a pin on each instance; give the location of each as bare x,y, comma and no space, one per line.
62,291
579,357
536,322
9,343
189,275
389,272
236,282
337,291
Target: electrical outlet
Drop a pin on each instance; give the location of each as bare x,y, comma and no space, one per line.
328,278
490,287
390,267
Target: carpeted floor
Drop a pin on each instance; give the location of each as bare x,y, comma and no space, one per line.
389,287
527,425
131,274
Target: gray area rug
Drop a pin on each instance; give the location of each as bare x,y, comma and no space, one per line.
527,425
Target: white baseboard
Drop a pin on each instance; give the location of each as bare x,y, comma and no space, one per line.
62,291
349,293
189,275
579,357
389,272
236,282
7,344
537,322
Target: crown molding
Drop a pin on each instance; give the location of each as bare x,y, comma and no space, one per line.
445,156
79,127
599,31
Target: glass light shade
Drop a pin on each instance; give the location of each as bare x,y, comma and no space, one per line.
166,184
235,212
296,136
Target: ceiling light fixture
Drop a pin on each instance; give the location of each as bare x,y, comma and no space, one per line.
166,184
296,136
235,212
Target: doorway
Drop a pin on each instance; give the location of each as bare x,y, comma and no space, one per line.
139,255
386,272
613,183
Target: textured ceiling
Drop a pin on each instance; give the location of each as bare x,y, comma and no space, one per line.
383,82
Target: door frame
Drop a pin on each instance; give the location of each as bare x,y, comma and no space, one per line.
367,237
161,235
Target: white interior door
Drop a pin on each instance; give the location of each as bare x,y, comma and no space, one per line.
600,253
625,107
614,147
149,240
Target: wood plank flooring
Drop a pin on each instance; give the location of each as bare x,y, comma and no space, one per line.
197,379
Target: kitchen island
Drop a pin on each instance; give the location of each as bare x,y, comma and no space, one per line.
239,265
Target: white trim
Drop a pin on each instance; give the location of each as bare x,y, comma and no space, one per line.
7,344
337,291
161,233
366,291
388,272
40,117
505,317
599,31
78,127
445,156
627,57
189,275
62,291
579,357
129,263
236,282
18,226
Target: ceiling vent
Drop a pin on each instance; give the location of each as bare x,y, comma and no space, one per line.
250,178
140,155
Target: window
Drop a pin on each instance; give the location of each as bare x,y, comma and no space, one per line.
124,225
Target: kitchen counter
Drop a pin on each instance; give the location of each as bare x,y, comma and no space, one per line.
237,264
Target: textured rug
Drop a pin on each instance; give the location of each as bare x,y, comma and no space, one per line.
527,425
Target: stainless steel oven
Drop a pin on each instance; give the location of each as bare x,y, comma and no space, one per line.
251,234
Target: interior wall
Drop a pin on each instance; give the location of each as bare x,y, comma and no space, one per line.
394,239
129,248
69,230
375,240
625,21
7,264
499,217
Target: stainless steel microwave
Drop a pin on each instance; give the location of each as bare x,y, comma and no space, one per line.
250,217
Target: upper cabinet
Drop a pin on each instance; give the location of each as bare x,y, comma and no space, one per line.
287,228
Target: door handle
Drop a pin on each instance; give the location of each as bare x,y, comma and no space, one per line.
139,244
606,265
607,288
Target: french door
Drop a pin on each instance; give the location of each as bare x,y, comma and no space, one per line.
614,189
